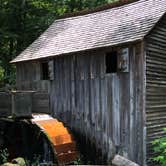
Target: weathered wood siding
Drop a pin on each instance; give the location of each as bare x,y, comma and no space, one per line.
5,104
40,103
28,77
107,108
156,84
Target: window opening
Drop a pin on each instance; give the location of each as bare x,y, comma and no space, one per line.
45,71
111,62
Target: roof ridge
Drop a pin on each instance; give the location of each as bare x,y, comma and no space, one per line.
97,9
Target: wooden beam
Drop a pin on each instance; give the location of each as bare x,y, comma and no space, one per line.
122,161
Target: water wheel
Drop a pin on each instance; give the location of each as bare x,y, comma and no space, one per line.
59,136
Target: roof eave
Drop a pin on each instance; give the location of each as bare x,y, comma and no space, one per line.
69,53
162,16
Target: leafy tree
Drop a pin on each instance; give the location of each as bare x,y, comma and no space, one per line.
1,75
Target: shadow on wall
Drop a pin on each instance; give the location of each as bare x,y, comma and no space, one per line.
89,154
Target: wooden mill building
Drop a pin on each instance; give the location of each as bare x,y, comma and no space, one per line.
105,72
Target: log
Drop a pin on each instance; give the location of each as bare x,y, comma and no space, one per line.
122,161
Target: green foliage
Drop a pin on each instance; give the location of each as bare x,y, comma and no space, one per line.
4,156
78,162
35,161
160,149
1,74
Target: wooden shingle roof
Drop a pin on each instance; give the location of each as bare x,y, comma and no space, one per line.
127,23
